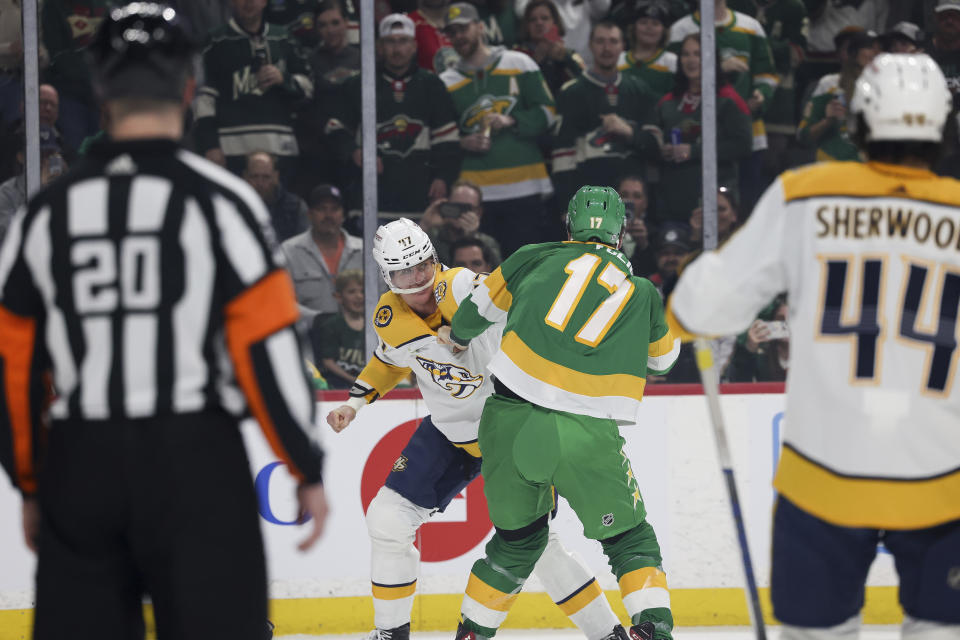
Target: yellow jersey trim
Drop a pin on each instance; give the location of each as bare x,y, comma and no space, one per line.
874,503
397,324
536,171
382,592
870,179
642,579
578,601
569,380
487,596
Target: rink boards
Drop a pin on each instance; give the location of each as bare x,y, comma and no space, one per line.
327,590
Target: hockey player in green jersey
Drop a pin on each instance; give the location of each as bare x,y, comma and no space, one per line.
581,334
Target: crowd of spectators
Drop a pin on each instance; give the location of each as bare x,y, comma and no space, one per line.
490,113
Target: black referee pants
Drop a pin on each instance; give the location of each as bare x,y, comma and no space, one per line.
164,507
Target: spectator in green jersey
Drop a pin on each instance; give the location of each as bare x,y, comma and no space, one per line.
824,123
679,118
648,58
337,338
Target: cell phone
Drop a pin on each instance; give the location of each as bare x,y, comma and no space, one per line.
629,209
553,34
55,165
453,209
778,329
259,59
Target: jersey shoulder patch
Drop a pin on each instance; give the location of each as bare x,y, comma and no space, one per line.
453,285
396,324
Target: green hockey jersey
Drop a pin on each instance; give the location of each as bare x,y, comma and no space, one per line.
584,153
835,143
740,37
232,112
581,333
657,71
417,135
785,22
510,83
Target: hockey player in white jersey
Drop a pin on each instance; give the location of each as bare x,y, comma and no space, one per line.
442,456
869,255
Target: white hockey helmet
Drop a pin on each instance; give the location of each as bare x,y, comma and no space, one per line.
902,96
404,253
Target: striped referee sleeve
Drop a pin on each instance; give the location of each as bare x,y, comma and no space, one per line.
21,390
260,329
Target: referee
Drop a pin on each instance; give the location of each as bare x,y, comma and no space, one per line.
146,283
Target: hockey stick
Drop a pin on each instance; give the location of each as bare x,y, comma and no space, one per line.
711,389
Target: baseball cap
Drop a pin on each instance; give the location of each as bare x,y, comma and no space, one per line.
324,192
397,24
674,234
651,9
947,5
462,13
904,31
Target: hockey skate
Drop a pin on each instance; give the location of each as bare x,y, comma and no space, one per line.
398,633
642,631
618,633
466,634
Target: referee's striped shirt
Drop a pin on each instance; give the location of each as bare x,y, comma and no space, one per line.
148,282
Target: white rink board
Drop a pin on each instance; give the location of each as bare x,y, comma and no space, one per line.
673,457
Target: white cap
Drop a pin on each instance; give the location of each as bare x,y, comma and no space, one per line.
397,24
947,5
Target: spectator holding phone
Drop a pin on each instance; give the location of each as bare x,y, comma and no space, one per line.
450,219
727,218
254,79
637,245
541,38
762,353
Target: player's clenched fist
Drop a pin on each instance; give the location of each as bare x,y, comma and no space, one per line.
341,417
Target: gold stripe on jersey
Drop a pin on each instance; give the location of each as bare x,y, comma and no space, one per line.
874,503
397,324
535,171
487,596
381,377
663,346
644,578
569,380
495,289
393,591
472,447
577,601
871,179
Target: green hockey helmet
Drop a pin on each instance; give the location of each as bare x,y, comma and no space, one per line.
596,213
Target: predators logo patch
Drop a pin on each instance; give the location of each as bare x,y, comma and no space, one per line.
400,464
452,377
441,291
383,316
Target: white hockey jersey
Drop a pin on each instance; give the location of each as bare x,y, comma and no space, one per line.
454,386
870,257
